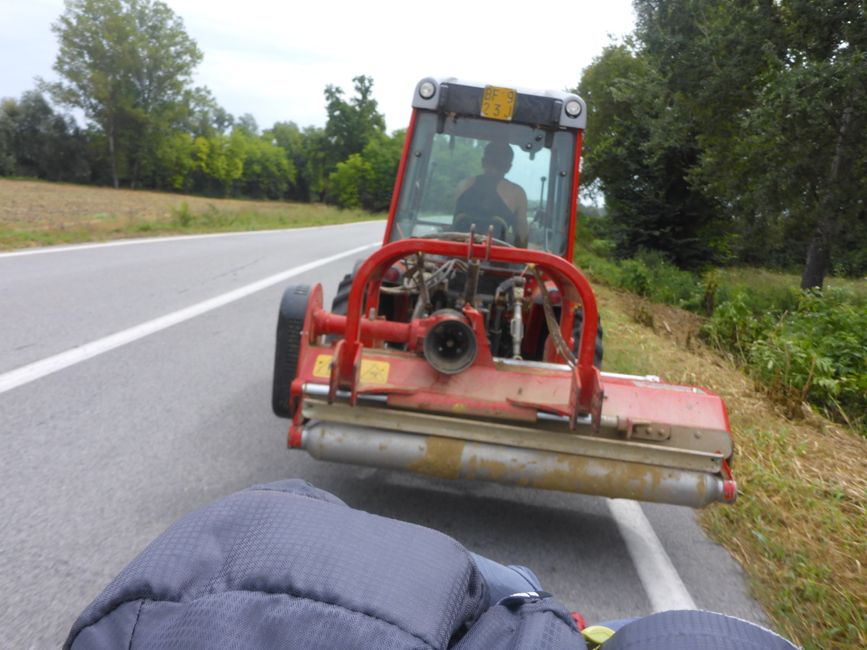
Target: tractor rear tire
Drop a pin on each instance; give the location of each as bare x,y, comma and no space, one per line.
341,298
576,334
290,323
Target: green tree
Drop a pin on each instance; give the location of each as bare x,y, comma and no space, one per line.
746,122
127,64
36,141
707,56
247,124
317,162
806,139
382,155
349,180
205,116
351,124
366,179
268,173
640,148
7,135
175,161
762,127
221,159
291,140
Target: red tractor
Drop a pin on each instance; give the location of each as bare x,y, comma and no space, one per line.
469,346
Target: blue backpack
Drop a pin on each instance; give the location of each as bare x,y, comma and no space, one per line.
286,565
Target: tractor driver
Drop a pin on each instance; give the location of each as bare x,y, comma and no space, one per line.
489,199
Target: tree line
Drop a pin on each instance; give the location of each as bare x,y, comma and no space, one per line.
735,132
127,65
719,133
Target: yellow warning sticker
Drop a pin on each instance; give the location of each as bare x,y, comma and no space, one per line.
322,368
372,372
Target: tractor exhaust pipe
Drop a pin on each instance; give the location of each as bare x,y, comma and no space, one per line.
459,459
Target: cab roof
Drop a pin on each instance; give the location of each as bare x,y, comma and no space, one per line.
534,107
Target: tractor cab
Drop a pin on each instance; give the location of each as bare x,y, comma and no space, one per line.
486,157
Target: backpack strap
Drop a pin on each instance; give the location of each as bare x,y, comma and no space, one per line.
528,620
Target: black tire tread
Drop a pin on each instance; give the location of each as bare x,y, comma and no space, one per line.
576,334
290,323
341,298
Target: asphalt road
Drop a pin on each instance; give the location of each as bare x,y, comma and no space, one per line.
98,455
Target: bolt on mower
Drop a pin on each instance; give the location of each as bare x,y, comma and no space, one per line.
469,346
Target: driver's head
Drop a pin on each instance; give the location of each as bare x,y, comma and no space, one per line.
498,157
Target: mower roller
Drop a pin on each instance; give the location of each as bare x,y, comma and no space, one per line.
469,346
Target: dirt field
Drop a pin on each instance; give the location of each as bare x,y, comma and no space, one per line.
38,203
35,213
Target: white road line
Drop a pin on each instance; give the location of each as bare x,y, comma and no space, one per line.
34,371
661,582
169,239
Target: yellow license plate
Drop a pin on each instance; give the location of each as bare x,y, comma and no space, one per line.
372,372
498,103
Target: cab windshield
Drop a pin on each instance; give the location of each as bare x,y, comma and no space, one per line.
466,172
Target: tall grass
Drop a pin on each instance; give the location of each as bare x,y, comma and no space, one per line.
802,347
815,351
798,525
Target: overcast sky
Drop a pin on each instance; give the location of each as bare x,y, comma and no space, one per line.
273,59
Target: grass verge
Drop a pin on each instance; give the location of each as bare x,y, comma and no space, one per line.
35,213
798,527
801,347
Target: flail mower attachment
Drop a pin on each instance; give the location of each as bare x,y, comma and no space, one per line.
440,379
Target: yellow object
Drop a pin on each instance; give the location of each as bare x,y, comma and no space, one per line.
322,368
498,103
596,635
372,372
